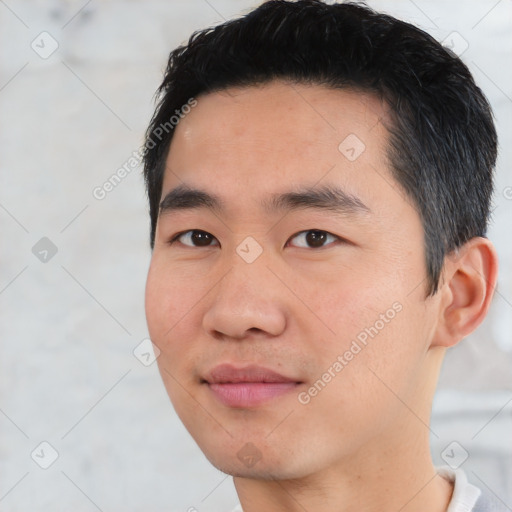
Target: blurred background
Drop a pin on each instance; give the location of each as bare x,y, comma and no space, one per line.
85,422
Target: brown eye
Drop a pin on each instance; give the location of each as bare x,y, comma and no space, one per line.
194,238
314,238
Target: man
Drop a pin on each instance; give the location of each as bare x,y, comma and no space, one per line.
319,179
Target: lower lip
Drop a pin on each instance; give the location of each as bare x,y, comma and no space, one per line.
249,394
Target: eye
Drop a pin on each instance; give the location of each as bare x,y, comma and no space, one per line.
311,238
193,238
314,238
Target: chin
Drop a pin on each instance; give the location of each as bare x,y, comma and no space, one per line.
245,460
260,471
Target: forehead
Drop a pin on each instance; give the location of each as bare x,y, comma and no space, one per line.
281,113
250,141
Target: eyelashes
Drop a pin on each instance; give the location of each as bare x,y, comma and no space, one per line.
204,239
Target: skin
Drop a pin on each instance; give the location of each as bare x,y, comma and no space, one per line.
362,443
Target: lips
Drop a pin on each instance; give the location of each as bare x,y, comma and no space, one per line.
227,373
247,386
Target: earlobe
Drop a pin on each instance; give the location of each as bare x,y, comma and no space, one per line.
470,276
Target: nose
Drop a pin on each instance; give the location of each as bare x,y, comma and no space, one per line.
248,299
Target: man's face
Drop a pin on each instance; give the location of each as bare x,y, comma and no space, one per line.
331,299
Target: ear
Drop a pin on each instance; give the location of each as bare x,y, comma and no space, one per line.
470,276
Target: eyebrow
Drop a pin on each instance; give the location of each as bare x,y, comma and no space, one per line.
326,197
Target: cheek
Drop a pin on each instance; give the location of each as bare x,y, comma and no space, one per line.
355,300
375,367
376,329
156,303
167,302
166,305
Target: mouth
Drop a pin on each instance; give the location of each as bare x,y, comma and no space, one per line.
248,386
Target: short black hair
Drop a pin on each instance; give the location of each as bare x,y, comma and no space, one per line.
443,143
